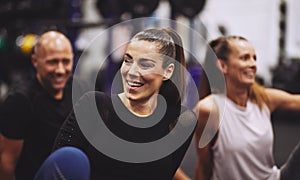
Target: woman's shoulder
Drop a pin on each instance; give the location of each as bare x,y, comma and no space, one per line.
206,105
207,109
93,99
279,99
97,95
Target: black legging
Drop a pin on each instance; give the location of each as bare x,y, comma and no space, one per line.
291,169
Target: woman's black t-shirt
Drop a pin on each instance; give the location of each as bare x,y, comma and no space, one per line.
82,133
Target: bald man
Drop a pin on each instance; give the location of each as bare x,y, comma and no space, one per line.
31,116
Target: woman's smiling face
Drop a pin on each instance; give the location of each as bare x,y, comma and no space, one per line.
241,68
142,70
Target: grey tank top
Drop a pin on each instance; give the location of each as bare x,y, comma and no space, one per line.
244,146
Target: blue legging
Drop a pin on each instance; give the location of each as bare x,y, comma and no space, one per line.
291,169
65,163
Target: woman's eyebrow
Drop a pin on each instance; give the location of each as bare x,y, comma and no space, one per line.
128,55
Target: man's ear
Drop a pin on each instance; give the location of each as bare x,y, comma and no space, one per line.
222,66
168,72
34,60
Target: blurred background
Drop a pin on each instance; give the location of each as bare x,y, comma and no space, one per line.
271,25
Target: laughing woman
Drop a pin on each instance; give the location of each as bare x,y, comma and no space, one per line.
144,132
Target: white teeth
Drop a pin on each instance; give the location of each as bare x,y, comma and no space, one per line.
250,73
134,84
58,78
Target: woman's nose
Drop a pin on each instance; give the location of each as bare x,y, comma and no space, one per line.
134,70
